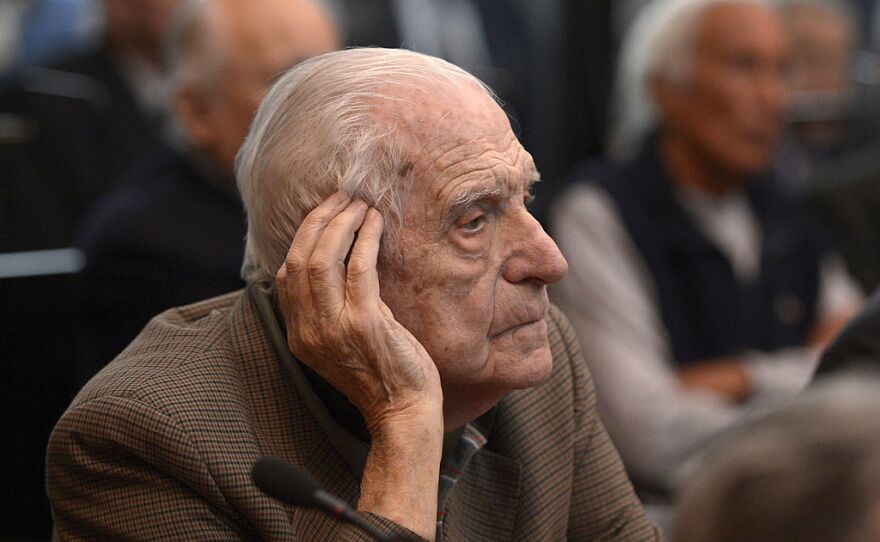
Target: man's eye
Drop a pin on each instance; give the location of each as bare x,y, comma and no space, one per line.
474,225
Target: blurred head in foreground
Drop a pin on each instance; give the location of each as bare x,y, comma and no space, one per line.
809,471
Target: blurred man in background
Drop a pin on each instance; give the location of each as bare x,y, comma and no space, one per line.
174,232
831,154
824,40
696,288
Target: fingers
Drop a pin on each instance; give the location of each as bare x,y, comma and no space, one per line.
291,280
314,276
310,231
362,278
326,267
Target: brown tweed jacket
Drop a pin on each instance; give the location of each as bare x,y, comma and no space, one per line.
159,446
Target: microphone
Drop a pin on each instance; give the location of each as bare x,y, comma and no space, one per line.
292,485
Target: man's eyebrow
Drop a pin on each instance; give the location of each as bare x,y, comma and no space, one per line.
468,197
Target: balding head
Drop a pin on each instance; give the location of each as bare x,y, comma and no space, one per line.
462,265
224,55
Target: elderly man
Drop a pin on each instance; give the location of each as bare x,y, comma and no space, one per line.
696,287
424,376
171,234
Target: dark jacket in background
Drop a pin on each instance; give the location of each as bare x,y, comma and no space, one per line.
68,133
707,311
167,236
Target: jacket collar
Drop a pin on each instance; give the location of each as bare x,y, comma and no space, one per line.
352,449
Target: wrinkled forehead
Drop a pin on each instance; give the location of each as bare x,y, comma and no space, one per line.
451,123
461,147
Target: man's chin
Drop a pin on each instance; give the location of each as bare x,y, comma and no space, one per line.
520,373
522,359
534,370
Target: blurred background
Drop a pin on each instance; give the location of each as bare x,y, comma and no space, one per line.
85,94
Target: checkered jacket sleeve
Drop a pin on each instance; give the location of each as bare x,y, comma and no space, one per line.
120,469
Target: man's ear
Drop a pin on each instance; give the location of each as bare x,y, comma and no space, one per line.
194,111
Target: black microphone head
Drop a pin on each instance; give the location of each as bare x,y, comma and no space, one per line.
284,481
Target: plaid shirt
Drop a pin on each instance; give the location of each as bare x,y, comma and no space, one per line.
470,441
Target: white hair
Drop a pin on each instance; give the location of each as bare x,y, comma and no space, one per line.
659,43
324,127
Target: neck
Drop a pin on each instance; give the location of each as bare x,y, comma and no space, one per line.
690,167
476,404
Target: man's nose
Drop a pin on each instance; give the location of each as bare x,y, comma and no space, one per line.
535,256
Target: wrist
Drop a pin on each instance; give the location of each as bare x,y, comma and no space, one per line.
400,480
416,422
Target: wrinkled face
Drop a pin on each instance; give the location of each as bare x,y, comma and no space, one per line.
732,109
471,283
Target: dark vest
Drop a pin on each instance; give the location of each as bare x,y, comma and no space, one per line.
706,310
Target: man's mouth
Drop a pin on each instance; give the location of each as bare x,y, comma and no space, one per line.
533,319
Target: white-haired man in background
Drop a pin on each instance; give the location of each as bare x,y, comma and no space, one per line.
696,288
424,376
